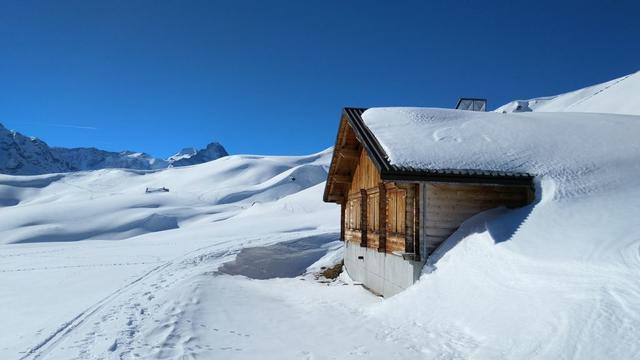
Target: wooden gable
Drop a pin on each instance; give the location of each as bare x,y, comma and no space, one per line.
346,156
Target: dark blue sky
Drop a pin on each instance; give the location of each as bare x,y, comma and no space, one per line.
271,77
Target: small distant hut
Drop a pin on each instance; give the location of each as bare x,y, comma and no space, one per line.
393,218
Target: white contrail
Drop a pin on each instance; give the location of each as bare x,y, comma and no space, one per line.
73,126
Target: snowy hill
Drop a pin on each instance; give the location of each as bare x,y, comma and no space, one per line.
618,96
22,155
112,203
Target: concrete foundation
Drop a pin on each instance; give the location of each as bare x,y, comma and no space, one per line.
384,274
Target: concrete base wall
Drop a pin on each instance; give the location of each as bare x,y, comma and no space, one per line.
384,274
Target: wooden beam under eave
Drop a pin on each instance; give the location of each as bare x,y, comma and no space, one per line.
341,179
349,154
339,197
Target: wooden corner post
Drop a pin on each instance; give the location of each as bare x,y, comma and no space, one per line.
363,218
409,219
382,218
343,208
417,211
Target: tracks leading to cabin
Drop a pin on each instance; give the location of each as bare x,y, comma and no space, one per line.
43,347
129,303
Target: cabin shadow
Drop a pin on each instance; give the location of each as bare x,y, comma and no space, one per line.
504,228
282,260
501,224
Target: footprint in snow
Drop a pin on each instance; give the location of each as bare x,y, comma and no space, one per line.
446,134
113,346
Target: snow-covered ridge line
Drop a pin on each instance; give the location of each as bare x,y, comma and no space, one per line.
22,155
617,96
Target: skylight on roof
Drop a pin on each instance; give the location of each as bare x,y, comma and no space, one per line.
472,104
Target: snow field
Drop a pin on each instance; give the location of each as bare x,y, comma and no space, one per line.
135,276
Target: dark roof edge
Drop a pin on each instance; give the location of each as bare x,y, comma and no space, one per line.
368,140
458,177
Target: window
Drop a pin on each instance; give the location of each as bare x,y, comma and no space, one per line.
396,210
373,212
472,104
352,213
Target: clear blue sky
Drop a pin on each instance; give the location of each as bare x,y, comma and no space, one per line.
270,77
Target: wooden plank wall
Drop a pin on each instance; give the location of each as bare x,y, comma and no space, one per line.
352,218
395,214
364,198
385,215
365,176
373,217
448,205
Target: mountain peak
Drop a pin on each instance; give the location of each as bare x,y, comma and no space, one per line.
191,156
23,155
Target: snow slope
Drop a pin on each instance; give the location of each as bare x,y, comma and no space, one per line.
112,204
618,96
90,261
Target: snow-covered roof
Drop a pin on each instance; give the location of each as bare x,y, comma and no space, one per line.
443,140
398,140
431,144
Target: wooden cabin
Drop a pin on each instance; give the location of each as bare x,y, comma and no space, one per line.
393,218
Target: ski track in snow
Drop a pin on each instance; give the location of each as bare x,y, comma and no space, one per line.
41,349
604,88
123,300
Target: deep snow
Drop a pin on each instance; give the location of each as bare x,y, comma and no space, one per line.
134,275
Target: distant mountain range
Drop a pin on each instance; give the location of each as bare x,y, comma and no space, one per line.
24,155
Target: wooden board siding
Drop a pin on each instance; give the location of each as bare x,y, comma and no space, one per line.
352,218
448,205
365,176
362,223
395,216
373,217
